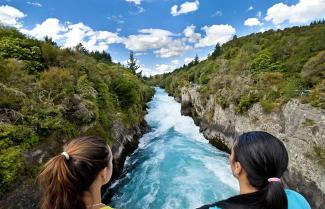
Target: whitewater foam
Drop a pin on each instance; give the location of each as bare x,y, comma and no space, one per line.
174,166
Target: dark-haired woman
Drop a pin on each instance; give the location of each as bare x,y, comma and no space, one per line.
73,179
258,160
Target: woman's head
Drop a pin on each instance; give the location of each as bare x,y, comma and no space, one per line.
66,178
259,156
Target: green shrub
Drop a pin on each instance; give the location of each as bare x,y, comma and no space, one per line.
75,95
293,87
14,135
317,96
85,88
267,106
262,61
11,164
125,91
50,54
56,83
246,101
314,70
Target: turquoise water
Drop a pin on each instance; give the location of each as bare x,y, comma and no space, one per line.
174,166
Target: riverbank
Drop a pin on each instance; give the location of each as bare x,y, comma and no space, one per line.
300,126
125,141
49,95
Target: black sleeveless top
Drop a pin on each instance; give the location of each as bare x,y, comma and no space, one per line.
255,200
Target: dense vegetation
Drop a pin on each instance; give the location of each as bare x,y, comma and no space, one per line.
50,94
270,67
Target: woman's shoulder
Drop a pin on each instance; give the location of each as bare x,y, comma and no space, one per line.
296,200
106,207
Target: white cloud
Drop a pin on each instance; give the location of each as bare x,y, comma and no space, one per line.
69,35
174,48
185,8
252,22
139,10
161,40
216,34
92,40
50,27
163,68
188,60
259,14
148,39
140,54
137,2
119,19
203,58
217,14
250,8
158,69
10,16
35,4
302,12
76,34
189,33
166,68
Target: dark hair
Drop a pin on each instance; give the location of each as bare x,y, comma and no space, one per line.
64,180
263,156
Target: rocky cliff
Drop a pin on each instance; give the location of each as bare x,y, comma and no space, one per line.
300,126
26,195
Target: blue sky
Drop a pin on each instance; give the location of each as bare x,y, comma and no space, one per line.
164,34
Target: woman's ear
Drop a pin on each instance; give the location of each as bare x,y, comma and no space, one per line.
104,175
237,169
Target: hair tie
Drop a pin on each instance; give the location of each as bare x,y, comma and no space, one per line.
66,155
274,179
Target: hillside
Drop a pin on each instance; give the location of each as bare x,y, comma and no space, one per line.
272,81
49,94
270,67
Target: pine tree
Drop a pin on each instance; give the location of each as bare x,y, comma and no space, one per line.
101,56
196,60
80,48
132,63
50,41
217,51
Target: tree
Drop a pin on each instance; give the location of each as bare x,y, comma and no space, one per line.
101,56
196,60
50,41
132,63
80,48
217,51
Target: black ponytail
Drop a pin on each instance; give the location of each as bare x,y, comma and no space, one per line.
263,156
275,196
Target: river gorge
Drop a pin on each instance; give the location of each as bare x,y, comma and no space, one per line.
174,165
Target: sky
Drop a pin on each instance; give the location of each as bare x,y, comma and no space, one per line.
164,34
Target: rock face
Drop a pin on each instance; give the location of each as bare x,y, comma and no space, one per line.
300,126
126,140
26,195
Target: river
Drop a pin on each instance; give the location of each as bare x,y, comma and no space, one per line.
174,167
